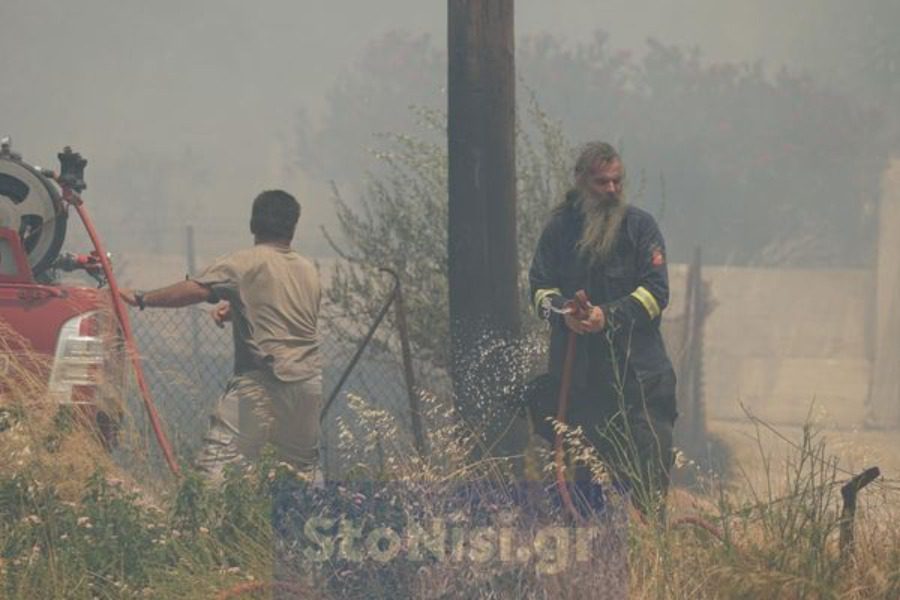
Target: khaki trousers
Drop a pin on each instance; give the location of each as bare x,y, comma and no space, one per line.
258,409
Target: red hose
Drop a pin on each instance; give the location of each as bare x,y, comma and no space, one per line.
559,451
75,200
581,306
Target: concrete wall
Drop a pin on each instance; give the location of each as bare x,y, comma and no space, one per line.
884,401
779,341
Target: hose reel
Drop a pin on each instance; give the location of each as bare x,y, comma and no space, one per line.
31,205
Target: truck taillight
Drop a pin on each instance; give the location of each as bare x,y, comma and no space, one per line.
81,354
89,325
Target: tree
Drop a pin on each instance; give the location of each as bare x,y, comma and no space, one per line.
758,169
401,223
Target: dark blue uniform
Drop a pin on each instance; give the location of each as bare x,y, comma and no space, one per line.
622,378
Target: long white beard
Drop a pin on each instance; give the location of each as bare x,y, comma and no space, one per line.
602,222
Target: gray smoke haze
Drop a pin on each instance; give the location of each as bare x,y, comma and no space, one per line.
756,130
186,109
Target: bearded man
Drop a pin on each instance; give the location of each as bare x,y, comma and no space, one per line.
623,385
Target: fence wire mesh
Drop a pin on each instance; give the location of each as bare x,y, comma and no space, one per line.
188,360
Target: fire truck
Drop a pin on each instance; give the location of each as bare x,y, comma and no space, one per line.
59,339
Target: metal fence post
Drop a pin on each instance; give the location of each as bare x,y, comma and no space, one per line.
191,260
698,426
359,350
692,424
415,413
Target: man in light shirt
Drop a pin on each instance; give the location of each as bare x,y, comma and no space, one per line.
272,296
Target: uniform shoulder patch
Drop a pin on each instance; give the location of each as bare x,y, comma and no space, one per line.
657,258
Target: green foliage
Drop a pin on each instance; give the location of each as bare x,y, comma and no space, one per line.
777,541
99,548
9,416
191,509
402,225
63,424
114,544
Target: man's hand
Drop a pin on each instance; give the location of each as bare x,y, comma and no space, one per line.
221,314
593,322
127,297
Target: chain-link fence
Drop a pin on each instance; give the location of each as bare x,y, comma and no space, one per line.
188,359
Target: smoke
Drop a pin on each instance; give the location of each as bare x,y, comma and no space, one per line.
198,101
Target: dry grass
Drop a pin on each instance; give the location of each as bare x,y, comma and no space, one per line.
778,513
39,435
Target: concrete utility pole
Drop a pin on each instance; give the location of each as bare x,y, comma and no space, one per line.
483,267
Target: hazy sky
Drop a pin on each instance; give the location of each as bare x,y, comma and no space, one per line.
215,85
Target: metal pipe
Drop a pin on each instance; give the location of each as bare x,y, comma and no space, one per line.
415,414
361,348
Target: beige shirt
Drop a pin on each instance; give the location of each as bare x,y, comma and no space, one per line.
275,296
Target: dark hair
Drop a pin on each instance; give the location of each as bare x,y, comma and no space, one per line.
275,215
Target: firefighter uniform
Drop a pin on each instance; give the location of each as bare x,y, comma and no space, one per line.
623,384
